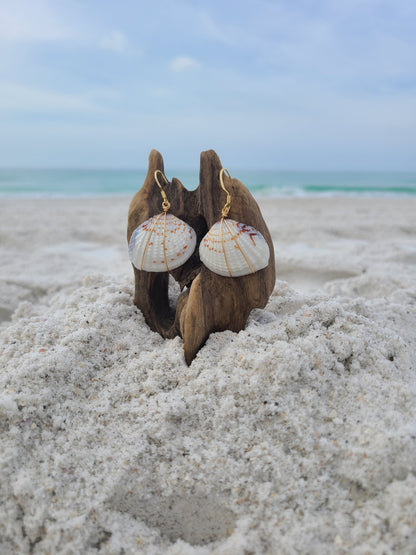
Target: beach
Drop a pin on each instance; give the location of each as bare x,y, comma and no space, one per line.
295,435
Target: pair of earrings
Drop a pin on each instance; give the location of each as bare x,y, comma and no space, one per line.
165,242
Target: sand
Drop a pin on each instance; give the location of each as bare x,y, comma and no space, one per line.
296,435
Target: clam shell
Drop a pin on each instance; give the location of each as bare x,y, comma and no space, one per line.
234,249
161,243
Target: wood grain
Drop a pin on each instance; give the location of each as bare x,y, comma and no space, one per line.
209,302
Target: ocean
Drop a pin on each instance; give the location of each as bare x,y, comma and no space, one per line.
64,183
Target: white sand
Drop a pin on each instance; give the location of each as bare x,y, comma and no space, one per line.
296,435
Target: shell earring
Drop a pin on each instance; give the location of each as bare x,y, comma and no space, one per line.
163,242
231,248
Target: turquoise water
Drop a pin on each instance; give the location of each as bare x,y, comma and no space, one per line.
62,183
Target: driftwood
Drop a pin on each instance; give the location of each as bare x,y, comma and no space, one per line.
210,302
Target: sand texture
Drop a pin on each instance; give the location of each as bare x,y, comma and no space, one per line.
296,435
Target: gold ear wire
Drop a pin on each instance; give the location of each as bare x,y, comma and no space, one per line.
227,205
165,203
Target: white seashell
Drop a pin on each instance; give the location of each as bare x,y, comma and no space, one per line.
234,249
161,243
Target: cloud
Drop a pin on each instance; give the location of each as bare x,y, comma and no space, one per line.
184,63
25,20
114,41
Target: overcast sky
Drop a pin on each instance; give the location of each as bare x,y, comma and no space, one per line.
286,84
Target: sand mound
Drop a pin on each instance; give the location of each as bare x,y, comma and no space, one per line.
296,434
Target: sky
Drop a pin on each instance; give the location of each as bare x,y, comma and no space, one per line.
272,84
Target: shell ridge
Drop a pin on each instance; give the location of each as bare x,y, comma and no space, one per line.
234,250
234,238
164,242
223,247
149,236
161,243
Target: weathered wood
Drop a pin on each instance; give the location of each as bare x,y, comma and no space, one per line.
210,302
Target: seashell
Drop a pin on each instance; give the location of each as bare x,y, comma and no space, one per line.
161,243
234,249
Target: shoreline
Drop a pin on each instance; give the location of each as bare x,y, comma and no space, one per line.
261,182
261,200
257,196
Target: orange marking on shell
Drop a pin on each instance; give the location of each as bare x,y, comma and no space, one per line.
163,233
234,249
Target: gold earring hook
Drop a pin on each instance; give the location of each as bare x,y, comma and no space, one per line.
165,203
227,205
